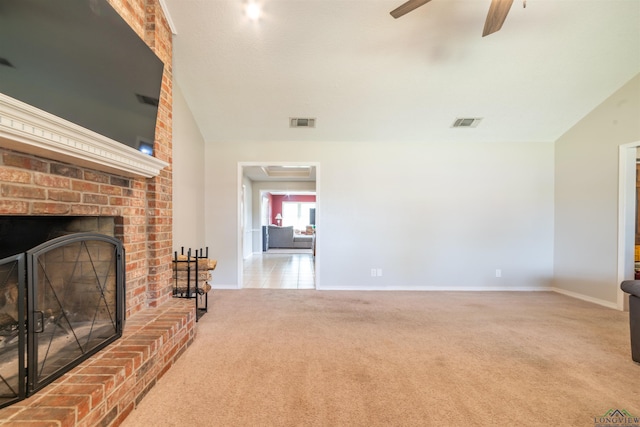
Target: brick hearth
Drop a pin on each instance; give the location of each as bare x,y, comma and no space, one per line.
103,389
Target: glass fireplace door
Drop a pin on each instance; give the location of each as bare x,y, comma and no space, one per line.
12,330
75,303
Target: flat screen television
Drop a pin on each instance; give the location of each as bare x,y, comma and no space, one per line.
79,60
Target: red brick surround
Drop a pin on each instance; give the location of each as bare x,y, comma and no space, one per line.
158,327
34,186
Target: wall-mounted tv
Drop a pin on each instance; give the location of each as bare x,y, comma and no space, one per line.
79,60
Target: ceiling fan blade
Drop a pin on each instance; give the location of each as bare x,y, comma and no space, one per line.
407,7
497,14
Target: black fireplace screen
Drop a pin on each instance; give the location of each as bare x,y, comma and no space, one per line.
60,303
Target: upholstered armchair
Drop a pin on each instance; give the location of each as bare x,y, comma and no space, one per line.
632,287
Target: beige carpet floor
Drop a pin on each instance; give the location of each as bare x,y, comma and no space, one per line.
317,358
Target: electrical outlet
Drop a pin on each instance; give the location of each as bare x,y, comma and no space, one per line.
498,273
373,272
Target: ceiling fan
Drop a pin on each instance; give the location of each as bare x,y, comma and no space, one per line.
495,18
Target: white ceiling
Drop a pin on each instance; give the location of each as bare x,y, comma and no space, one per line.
368,77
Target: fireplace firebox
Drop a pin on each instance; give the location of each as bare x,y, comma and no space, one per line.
60,302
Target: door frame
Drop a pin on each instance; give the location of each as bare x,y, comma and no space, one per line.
628,154
239,237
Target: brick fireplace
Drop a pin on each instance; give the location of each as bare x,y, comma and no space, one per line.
35,182
141,208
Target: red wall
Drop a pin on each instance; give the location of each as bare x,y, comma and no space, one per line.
277,199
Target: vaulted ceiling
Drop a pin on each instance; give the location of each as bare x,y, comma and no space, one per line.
365,76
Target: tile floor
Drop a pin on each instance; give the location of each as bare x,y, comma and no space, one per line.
279,271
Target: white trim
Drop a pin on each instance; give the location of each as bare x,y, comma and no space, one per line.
167,15
475,289
239,213
587,298
318,241
393,288
570,294
30,130
224,287
627,156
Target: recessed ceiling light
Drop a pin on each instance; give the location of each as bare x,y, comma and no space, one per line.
252,9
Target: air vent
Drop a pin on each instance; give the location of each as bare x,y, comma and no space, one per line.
6,63
142,99
468,122
296,122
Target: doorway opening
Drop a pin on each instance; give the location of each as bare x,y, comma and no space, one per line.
628,216
279,211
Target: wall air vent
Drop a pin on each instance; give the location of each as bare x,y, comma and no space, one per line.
297,122
467,122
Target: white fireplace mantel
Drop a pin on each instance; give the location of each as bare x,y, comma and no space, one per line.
30,130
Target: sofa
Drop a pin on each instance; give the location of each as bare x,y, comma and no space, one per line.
632,287
284,237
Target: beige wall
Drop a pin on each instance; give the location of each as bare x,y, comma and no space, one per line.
430,215
586,196
446,216
188,177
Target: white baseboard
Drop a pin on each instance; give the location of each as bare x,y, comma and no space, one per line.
438,288
587,298
576,295
225,287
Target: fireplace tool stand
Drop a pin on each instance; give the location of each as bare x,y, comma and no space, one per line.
191,274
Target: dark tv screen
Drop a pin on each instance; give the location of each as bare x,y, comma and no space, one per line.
79,60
